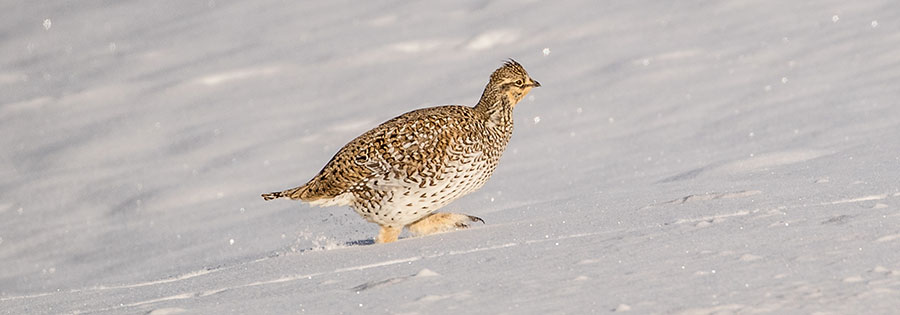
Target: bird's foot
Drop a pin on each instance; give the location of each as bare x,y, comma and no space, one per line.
388,234
442,222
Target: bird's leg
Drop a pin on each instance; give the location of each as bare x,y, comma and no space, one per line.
388,234
441,222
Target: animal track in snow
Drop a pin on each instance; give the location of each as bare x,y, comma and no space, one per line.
759,162
709,220
373,284
290,278
841,219
712,196
706,197
700,221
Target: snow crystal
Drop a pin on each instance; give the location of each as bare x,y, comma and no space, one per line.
537,119
874,24
784,79
835,18
231,242
546,51
47,24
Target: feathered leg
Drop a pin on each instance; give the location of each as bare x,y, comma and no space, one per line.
442,222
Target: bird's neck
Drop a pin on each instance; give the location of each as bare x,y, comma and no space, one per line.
497,108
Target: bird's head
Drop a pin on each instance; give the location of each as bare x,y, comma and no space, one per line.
512,82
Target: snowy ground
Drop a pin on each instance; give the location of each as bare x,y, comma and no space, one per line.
689,157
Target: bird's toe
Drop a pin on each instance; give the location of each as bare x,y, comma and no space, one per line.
475,219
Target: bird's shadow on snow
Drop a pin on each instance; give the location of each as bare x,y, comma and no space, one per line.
364,242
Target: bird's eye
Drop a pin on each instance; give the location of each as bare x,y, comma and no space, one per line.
518,82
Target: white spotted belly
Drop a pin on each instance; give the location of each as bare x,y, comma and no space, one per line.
401,205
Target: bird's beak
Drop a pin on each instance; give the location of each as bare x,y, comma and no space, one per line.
535,83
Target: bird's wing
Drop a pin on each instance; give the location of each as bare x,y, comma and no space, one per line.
398,153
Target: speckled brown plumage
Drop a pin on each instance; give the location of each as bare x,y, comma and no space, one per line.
399,173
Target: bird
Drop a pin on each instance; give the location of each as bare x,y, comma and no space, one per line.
398,174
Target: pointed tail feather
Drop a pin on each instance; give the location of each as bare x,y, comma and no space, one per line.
293,193
272,195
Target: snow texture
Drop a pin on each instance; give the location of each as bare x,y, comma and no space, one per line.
686,157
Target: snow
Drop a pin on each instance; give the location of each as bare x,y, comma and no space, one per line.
692,158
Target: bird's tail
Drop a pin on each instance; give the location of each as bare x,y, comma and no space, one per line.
293,193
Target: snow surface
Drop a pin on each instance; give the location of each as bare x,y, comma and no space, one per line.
690,157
